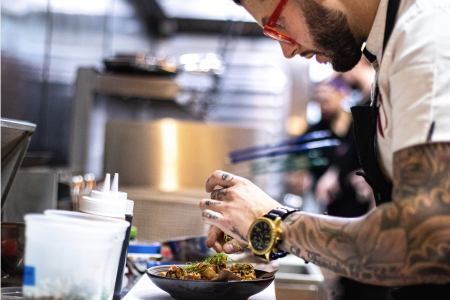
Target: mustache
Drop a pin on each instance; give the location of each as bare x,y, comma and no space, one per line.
312,52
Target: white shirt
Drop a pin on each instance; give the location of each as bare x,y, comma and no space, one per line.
414,76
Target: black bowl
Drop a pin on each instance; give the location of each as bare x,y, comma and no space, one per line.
186,289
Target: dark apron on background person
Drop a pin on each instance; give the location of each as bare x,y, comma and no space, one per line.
365,128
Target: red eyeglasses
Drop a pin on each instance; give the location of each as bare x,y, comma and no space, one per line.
269,28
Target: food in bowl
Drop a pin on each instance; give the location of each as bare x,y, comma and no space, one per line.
210,268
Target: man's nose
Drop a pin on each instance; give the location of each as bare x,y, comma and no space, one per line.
289,50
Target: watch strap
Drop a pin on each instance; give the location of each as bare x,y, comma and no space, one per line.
274,255
279,212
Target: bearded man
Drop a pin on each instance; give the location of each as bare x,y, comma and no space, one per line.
403,141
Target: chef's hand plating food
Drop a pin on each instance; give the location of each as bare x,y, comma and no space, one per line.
230,203
210,268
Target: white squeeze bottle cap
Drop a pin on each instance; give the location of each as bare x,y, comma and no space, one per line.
103,203
122,195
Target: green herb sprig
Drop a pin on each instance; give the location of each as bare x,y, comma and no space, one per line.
190,267
215,259
228,238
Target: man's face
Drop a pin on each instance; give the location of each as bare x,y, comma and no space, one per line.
318,30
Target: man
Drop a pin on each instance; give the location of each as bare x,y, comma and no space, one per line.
335,186
406,240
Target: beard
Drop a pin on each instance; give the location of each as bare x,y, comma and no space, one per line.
331,35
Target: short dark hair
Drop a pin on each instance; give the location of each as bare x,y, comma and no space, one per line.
238,2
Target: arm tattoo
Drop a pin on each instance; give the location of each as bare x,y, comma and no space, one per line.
209,216
218,194
236,232
399,243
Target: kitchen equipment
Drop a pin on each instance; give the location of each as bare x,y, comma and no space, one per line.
206,290
140,63
16,136
68,257
304,152
13,250
170,155
33,191
113,204
306,142
10,293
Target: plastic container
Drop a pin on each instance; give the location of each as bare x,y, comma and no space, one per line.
129,206
112,204
9,293
66,259
104,203
117,227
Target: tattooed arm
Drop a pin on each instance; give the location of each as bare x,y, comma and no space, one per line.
400,243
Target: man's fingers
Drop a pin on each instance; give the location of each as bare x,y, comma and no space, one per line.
215,235
219,194
212,217
218,247
220,178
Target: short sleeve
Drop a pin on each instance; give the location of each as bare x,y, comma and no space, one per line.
420,79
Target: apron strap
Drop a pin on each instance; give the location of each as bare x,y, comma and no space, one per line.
365,129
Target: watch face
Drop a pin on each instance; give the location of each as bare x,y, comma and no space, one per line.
261,236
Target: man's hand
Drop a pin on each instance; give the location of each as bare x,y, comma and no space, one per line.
328,186
364,192
232,209
216,240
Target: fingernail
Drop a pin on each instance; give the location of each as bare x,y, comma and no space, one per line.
228,248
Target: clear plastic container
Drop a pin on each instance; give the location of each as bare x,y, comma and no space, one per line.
67,259
11,293
117,227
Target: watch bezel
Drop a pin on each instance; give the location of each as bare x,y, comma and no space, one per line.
273,237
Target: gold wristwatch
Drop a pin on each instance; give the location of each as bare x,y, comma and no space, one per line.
264,235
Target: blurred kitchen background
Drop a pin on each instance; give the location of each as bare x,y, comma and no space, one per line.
229,73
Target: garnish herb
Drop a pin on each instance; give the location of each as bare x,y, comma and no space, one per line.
215,259
228,239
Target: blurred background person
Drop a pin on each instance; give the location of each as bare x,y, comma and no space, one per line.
344,193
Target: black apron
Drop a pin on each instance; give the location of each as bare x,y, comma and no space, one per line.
365,128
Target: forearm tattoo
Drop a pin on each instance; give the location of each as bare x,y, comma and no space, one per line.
236,232
399,243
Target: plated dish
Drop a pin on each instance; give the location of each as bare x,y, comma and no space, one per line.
206,289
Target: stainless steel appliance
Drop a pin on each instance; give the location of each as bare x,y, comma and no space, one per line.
168,154
16,136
